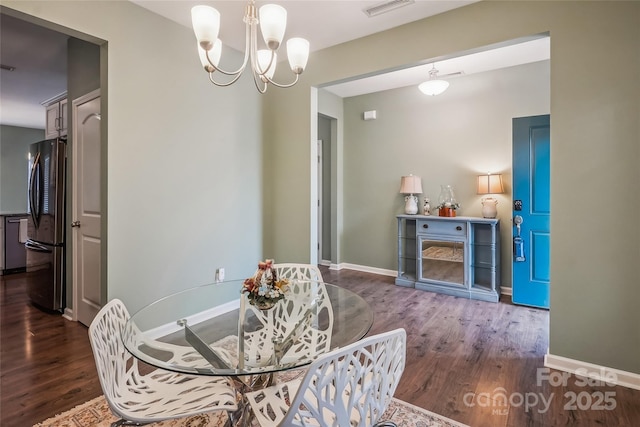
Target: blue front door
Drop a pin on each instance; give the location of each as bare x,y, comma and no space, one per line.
531,197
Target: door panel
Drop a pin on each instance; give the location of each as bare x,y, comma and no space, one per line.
531,185
86,207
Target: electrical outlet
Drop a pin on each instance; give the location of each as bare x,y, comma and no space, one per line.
220,275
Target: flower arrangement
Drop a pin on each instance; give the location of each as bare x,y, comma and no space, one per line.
447,209
264,289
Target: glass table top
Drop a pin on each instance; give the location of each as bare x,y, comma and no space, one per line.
214,330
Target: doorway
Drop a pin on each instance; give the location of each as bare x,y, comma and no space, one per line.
85,68
326,139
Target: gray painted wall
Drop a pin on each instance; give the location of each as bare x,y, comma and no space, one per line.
14,165
595,152
446,139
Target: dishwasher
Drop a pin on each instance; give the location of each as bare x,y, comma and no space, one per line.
15,254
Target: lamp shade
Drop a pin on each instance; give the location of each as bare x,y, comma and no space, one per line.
411,185
265,63
298,54
273,23
206,25
490,184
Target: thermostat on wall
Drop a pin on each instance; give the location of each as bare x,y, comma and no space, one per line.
370,115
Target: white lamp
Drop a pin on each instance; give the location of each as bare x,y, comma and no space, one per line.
490,184
411,185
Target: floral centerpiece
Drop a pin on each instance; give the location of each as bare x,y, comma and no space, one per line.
265,289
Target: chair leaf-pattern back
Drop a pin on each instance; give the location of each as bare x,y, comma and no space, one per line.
152,396
347,387
280,322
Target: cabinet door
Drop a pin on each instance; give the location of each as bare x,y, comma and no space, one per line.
51,130
442,260
62,123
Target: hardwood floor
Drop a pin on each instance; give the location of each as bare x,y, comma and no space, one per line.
462,357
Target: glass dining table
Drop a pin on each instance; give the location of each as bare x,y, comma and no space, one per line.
215,330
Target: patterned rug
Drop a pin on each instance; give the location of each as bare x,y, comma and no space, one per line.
96,413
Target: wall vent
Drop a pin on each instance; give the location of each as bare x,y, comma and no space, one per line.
385,7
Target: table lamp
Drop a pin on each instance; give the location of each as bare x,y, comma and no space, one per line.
490,184
411,185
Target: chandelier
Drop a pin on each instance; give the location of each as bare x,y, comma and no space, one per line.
273,22
433,86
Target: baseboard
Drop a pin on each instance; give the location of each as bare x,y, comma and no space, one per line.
590,370
363,268
172,327
506,290
325,262
68,314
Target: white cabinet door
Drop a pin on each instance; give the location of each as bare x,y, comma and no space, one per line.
56,119
62,114
51,130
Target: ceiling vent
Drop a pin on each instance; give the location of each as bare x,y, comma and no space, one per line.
386,6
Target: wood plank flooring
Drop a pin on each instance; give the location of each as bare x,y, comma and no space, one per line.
463,356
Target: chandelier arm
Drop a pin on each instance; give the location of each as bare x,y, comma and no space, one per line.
240,70
257,80
283,86
229,83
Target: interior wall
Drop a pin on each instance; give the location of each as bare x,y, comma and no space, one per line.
14,166
594,129
446,139
184,190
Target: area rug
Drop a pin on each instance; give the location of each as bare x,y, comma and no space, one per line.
96,413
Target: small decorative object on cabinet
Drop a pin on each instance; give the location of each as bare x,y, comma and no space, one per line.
411,185
454,256
490,184
56,120
426,209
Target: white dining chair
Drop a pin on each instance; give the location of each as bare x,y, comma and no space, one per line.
285,325
140,397
351,386
298,271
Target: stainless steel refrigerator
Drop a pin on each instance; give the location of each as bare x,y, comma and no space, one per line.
45,244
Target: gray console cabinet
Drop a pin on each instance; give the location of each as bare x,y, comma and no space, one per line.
457,256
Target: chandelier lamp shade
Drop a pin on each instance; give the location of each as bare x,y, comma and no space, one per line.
490,184
410,186
272,20
433,86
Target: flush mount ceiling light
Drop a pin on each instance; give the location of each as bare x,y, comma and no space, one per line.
273,22
433,86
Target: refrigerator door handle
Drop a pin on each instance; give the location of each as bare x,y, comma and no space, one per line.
33,197
37,247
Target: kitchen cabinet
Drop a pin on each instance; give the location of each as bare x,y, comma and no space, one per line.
457,256
56,110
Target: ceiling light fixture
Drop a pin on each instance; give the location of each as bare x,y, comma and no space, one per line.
273,22
433,86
